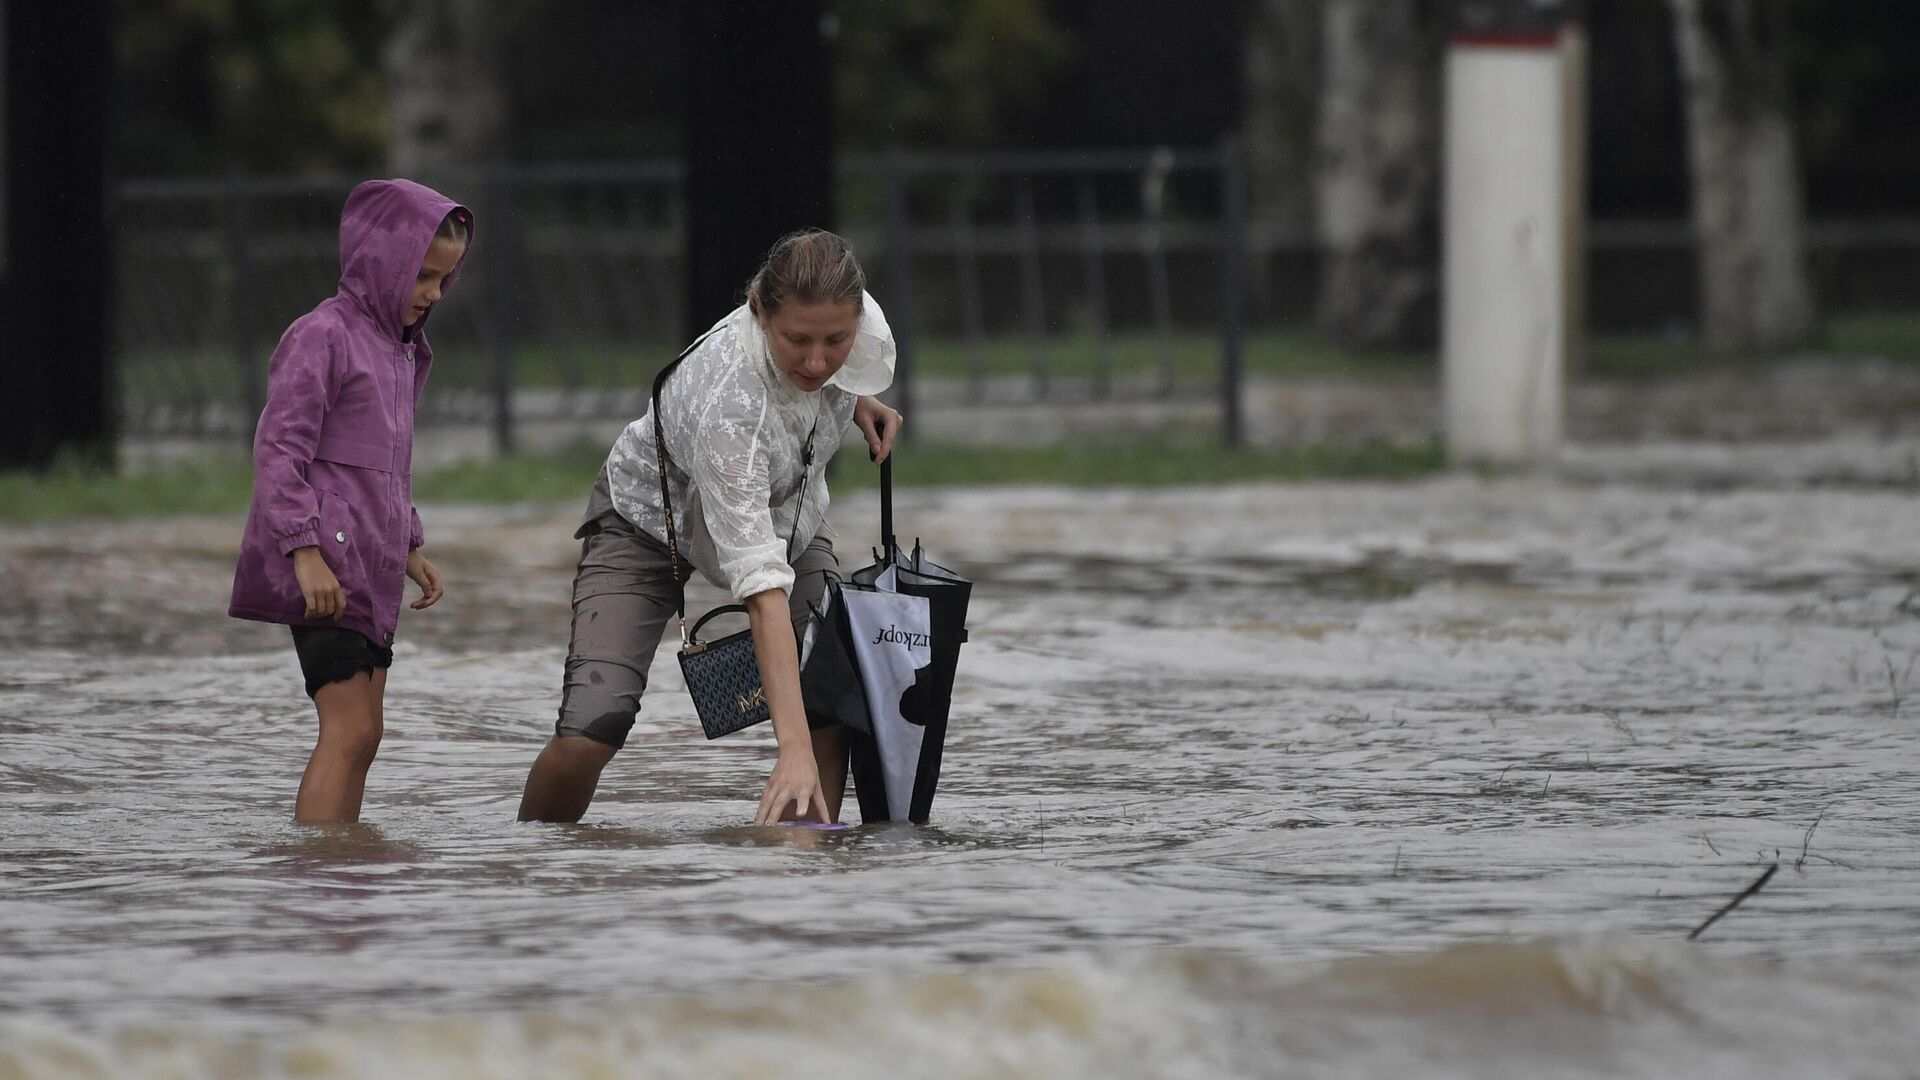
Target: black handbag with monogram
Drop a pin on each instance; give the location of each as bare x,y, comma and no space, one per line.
723,675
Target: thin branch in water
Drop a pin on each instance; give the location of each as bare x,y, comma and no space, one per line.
1735,902
1807,841
1543,787
1708,840
1621,726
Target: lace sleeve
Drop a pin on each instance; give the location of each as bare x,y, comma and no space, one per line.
731,467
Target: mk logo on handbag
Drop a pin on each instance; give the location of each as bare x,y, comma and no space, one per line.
749,702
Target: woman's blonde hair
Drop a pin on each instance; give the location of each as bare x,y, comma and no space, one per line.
811,266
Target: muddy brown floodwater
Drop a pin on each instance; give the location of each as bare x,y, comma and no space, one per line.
1319,780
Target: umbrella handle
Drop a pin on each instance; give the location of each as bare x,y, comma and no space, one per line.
886,504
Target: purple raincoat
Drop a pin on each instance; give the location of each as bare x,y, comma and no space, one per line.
333,455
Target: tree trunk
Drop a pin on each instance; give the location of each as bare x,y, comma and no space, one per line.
1376,171
443,63
1281,62
1746,182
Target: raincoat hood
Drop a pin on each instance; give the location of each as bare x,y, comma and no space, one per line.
385,231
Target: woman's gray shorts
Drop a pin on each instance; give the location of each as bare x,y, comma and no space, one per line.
624,594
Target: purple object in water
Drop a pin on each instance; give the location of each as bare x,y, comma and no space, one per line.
822,826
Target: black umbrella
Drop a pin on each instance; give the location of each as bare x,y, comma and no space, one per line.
905,609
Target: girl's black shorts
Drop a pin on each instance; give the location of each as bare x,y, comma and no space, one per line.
329,654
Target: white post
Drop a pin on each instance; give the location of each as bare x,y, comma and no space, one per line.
1505,270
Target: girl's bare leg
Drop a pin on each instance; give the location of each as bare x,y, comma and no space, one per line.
350,728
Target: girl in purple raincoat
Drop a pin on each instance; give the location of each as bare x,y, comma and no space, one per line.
332,534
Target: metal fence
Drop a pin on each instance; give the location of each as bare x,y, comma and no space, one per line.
1008,278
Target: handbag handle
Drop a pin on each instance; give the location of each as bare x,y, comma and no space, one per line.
666,495
726,609
886,503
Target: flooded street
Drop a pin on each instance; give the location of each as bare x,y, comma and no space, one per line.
1306,780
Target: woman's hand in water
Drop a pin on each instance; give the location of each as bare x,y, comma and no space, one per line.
424,575
795,782
879,424
318,587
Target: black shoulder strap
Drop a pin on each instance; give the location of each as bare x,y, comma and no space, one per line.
666,495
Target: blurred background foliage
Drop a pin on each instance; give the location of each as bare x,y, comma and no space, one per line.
952,74
264,85
204,86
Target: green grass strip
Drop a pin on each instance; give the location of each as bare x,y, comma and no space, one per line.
224,484
73,490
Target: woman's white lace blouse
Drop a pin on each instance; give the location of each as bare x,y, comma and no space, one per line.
736,431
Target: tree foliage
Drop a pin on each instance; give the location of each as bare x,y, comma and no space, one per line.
264,85
940,74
